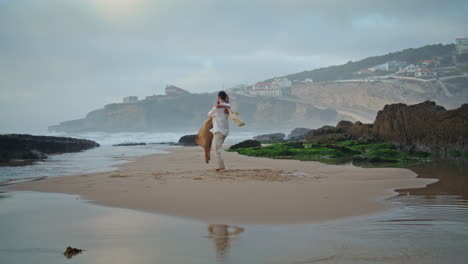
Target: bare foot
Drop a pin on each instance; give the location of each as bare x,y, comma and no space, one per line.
221,170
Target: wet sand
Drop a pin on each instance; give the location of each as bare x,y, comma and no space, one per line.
37,227
252,191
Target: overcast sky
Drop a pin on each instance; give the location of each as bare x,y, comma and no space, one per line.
60,59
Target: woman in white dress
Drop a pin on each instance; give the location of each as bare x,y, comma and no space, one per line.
219,114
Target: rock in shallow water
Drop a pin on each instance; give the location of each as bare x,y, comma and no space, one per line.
129,144
28,147
188,140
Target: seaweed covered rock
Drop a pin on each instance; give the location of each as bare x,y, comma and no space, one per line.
343,149
246,144
296,145
361,151
423,127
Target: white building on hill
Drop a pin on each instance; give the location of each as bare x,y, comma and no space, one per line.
461,46
390,66
422,72
276,88
410,69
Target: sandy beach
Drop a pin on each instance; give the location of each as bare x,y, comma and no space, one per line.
251,191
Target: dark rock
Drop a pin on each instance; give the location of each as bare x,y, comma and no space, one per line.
35,154
327,134
270,137
326,130
361,131
298,133
71,252
130,144
163,143
424,127
28,147
344,124
188,140
246,144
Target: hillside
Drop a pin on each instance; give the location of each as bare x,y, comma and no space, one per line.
360,100
360,96
345,71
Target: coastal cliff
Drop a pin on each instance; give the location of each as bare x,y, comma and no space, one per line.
361,100
425,127
187,112
309,105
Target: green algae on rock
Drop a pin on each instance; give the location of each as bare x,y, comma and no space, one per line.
359,151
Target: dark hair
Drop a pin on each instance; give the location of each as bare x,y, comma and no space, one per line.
222,95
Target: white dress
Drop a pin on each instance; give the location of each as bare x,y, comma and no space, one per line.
220,120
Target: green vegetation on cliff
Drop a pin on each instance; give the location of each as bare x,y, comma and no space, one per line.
358,151
345,71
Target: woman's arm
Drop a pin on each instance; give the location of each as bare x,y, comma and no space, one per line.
225,105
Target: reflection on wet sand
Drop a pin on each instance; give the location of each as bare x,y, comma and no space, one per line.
35,227
4,195
222,235
452,179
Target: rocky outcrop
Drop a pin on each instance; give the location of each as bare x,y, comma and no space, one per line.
270,137
327,134
188,140
425,126
361,131
246,144
28,147
344,124
298,133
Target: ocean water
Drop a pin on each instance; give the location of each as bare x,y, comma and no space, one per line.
102,158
